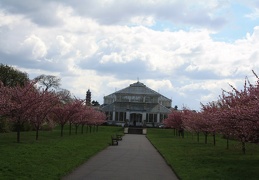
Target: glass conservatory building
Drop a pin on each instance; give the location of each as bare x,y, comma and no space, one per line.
136,105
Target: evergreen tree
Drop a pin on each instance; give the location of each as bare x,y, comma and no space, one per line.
12,77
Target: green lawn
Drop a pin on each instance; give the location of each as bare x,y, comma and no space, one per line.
52,156
193,160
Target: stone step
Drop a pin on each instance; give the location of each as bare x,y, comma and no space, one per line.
135,131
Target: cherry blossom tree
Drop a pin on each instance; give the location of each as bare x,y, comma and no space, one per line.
190,120
46,102
240,115
175,121
20,103
85,117
81,116
234,115
98,118
66,112
210,121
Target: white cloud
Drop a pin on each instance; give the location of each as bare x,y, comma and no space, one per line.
254,15
64,44
36,45
8,20
160,85
51,13
143,20
93,46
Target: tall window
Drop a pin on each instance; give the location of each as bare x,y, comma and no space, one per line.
151,118
108,115
162,117
120,116
116,116
155,117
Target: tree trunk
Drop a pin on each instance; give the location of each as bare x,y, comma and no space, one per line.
198,136
76,128
214,139
243,147
97,128
228,142
82,128
206,137
70,128
61,133
37,132
18,129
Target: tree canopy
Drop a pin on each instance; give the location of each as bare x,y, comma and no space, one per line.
48,81
95,103
12,77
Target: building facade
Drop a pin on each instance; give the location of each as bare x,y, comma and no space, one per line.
136,105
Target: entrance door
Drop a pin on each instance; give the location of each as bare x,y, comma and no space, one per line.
136,119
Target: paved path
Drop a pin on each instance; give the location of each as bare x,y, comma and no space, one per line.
133,159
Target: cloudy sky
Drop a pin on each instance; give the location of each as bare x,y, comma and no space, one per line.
186,50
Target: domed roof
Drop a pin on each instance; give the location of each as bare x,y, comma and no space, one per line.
137,88
138,84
